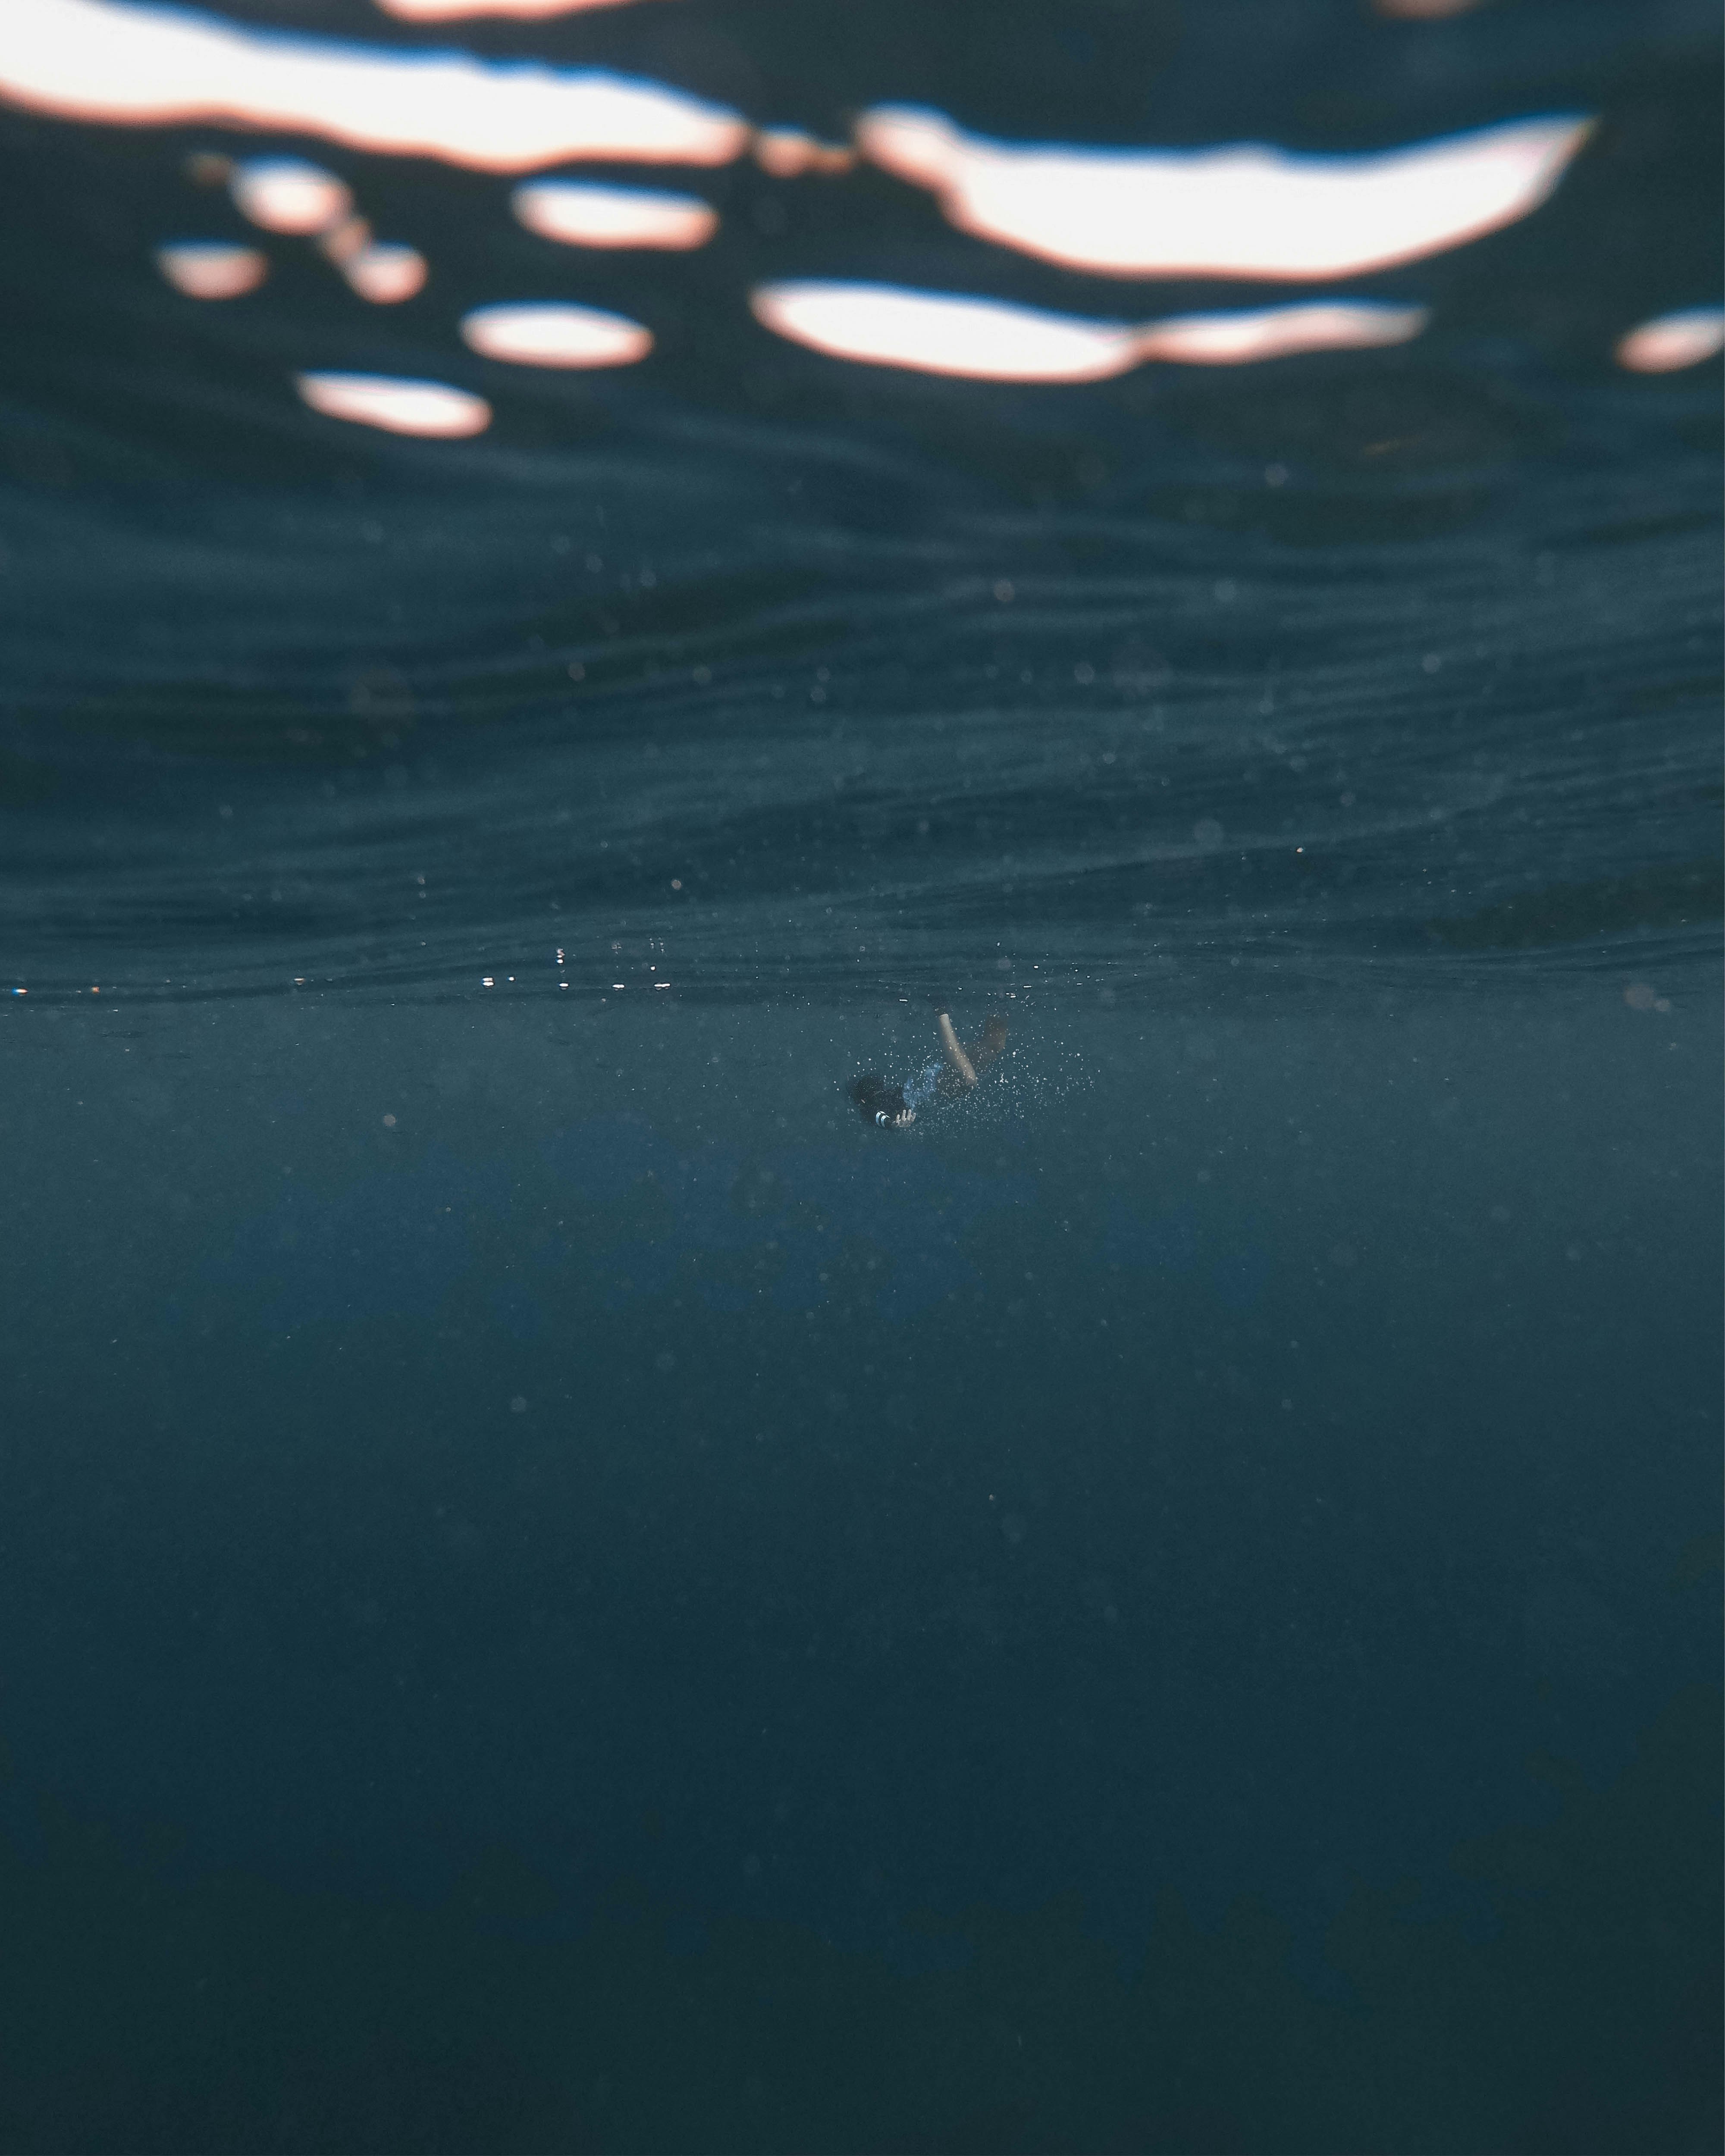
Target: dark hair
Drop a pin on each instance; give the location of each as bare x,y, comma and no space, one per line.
871,1093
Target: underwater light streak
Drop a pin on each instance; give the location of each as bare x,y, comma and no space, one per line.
553,333
583,213
151,67
995,341
1242,211
432,408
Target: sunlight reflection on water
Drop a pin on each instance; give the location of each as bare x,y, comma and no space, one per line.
1240,211
1248,210
987,340
1671,342
552,334
147,67
212,269
584,213
397,407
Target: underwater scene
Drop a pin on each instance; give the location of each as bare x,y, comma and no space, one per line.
859,931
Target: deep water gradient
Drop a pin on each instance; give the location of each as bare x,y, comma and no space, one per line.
559,1591
1171,1608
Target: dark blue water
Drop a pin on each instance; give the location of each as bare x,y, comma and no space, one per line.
560,1591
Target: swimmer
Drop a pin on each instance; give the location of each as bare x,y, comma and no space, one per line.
893,1107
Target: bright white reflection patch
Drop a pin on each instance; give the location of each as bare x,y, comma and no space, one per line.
385,272
1671,342
449,11
285,194
1233,339
984,340
399,408
583,213
555,335
1245,211
991,341
212,269
149,67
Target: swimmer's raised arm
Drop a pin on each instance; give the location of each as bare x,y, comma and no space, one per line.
956,1061
893,1107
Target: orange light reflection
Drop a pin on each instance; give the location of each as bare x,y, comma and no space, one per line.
1236,340
1671,342
788,153
212,269
385,272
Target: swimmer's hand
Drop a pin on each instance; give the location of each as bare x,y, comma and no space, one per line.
902,1120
